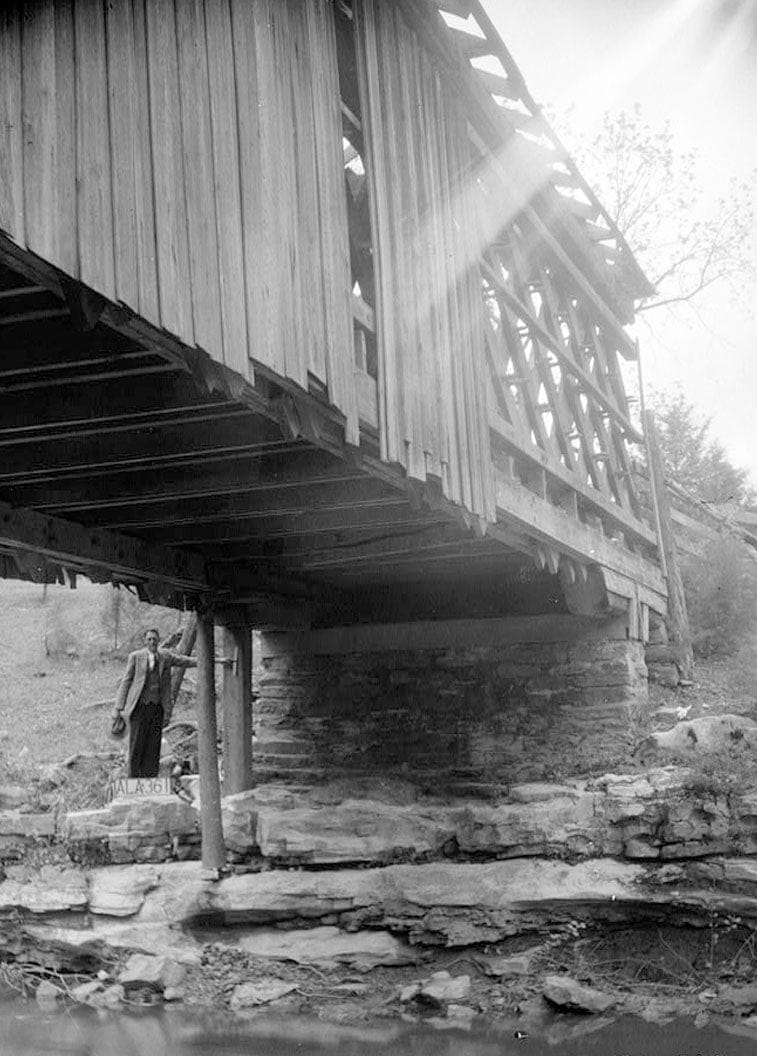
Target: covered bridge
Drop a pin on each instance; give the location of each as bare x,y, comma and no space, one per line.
309,322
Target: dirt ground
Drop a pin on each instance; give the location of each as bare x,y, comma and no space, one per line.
57,664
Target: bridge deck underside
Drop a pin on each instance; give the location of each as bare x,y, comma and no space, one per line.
132,459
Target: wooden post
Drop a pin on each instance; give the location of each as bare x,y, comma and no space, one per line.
237,710
679,632
213,851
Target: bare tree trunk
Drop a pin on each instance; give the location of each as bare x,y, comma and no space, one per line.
186,645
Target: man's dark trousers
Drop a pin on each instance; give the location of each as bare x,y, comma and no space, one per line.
145,731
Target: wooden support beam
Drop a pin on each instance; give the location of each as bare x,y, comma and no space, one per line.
40,315
175,446
273,502
190,484
679,630
384,513
108,402
136,371
558,349
95,549
504,435
237,710
552,526
76,361
213,850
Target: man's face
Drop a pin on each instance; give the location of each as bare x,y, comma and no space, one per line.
151,641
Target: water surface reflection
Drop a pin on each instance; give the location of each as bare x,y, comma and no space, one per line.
26,1031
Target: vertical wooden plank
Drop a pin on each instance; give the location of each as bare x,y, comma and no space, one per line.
93,160
373,134
121,102
66,219
11,139
248,128
170,201
287,175
307,103
434,233
199,188
334,289
39,135
144,198
446,348
228,206
273,200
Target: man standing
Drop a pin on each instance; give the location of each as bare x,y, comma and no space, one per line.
144,699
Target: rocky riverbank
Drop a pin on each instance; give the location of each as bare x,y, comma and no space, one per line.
514,939
622,893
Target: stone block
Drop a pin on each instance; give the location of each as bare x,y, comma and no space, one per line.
262,992
531,828
740,870
12,797
14,823
143,970
328,945
353,831
86,825
570,995
119,892
157,815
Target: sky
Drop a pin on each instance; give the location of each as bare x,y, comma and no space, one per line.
692,63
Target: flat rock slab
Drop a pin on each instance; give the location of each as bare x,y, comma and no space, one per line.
261,992
353,831
570,995
508,967
326,945
52,890
445,903
156,972
119,891
103,935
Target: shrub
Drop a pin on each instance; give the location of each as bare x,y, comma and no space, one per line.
721,595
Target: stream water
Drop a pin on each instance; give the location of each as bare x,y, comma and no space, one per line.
27,1031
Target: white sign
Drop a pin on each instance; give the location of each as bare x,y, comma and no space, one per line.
140,786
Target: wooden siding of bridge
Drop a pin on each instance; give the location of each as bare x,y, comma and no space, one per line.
432,375
184,158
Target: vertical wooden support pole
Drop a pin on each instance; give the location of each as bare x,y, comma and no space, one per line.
237,710
213,851
679,631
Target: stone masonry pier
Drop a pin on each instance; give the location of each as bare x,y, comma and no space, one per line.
463,705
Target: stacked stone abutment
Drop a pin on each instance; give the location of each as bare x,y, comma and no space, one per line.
454,705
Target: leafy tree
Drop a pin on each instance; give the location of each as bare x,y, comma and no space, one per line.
721,597
691,457
654,193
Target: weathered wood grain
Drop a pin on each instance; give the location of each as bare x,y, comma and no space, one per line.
93,152
168,172
245,47
11,137
144,194
228,207
64,173
39,133
199,176
121,101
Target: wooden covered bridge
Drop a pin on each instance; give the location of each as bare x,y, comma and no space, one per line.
308,321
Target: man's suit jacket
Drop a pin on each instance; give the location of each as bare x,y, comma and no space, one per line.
135,676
